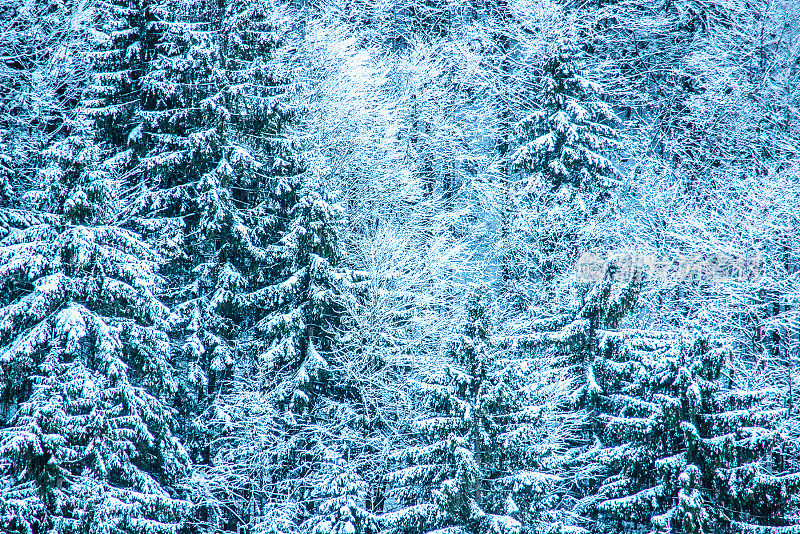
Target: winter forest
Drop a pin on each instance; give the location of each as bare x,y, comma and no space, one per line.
399,266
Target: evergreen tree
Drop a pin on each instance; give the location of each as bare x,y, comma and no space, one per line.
650,392
558,208
182,154
43,74
565,139
85,362
675,448
441,477
254,257
294,334
306,480
340,490
217,180
551,421
122,47
747,458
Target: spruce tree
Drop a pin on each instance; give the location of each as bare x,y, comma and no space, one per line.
558,203
566,139
645,406
442,476
341,490
216,181
676,448
286,366
301,303
85,361
552,416
122,46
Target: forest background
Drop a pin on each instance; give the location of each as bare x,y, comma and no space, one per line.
399,266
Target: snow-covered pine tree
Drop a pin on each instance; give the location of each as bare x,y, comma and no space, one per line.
557,205
182,160
566,140
550,362
122,46
744,449
551,320
442,475
680,450
527,442
300,303
339,488
540,429
244,201
312,389
85,361
216,180
43,76
258,236
306,479
651,387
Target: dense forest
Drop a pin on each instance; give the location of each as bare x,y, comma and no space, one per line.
399,266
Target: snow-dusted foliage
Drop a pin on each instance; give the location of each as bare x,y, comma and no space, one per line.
88,444
677,449
560,199
122,43
306,427
42,75
301,304
648,408
215,179
454,455
399,266
570,135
